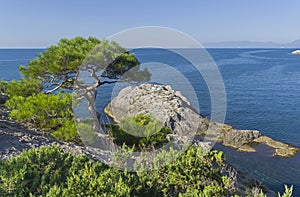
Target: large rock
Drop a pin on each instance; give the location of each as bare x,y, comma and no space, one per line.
174,111
162,102
240,139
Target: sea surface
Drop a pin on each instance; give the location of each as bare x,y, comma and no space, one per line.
262,93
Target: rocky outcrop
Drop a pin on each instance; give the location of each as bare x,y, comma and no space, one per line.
174,111
162,102
281,149
296,52
239,139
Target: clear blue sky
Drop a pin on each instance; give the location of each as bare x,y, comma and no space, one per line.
40,23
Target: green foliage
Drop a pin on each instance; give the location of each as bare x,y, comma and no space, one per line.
55,71
23,87
36,171
122,155
3,85
195,172
86,131
48,172
59,60
48,112
56,68
115,62
142,125
96,180
141,131
256,192
110,56
288,192
67,131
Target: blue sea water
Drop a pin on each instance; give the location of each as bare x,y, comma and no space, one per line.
262,91
11,59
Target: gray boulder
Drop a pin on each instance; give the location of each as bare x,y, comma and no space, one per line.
162,102
239,137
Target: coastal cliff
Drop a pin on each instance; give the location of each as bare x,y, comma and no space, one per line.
174,111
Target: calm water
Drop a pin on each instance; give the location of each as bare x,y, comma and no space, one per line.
262,87
11,59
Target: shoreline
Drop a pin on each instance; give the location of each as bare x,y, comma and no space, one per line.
281,149
248,140
241,140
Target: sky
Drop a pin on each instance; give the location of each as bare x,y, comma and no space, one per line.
39,24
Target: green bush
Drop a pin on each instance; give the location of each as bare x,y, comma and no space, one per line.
141,131
52,113
36,171
95,181
23,87
141,125
196,172
48,172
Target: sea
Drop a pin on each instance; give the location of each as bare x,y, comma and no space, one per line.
262,92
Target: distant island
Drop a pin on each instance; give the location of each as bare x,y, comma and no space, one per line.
250,44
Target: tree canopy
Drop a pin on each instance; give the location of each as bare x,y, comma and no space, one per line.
58,66
89,62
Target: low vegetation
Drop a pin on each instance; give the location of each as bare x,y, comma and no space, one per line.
52,113
49,172
142,132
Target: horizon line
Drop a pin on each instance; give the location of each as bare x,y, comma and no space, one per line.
203,47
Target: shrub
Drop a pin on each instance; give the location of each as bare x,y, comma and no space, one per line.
196,172
141,131
48,172
52,113
23,87
36,171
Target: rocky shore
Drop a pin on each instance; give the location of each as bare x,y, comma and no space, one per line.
174,111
